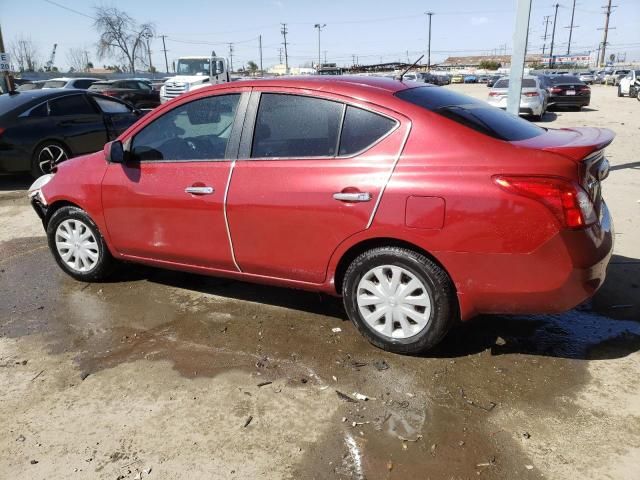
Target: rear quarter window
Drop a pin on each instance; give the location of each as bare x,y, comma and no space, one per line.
362,129
472,113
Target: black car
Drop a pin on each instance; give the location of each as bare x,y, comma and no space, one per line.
42,127
138,93
567,91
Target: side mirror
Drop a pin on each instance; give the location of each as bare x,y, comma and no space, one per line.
115,152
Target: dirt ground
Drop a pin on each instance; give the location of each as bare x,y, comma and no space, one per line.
167,375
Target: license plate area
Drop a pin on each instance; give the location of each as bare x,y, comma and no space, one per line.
570,92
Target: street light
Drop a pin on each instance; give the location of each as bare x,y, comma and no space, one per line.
319,27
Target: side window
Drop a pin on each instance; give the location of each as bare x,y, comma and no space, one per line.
296,126
70,105
83,83
197,130
143,86
111,106
39,111
361,129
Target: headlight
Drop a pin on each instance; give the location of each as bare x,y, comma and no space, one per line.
36,187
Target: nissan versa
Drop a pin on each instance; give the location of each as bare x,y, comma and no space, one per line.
418,205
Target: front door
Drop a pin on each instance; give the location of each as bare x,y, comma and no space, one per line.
303,183
167,202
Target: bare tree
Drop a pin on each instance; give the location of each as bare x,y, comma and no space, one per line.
78,59
121,36
24,54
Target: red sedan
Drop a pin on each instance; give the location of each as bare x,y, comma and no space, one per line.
418,205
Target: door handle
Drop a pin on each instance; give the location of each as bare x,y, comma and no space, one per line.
352,197
199,190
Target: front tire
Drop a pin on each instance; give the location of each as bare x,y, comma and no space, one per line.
620,91
78,246
399,300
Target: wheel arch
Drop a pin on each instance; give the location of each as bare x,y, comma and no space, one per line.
55,206
362,246
57,140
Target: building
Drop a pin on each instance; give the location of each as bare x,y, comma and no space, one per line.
474,61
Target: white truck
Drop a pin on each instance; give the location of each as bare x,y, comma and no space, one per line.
193,73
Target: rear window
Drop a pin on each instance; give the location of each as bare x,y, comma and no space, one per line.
566,79
54,84
472,113
99,87
526,83
361,129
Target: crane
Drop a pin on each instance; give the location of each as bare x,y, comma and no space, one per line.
49,65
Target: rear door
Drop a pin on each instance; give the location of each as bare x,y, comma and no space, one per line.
303,182
118,116
78,122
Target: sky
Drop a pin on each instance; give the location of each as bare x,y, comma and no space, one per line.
371,31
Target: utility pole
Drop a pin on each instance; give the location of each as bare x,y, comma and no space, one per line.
520,36
231,58
164,49
280,55
553,36
546,27
353,60
571,27
284,32
607,14
260,48
429,15
147,35
325,56
319,27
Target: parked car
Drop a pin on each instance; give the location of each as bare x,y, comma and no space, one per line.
493,79
599,76
457,78
435,79
470,79
77,83
568,91
587,77
533,97
138,93
615,76
629,84
278,182
39,128
31,85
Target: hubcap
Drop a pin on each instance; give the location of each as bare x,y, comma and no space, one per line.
50,156
393,301
76,245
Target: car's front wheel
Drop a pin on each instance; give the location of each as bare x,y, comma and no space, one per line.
400,300
619,91
78,246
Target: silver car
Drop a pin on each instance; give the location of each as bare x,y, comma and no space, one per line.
533,97
587,77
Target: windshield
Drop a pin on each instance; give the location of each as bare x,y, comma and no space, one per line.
472,113
193,66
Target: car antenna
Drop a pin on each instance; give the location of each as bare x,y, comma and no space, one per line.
414,64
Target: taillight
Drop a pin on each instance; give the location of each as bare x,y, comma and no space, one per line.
493,94
555,90
1,131
109,93
531,94
566,199
585,89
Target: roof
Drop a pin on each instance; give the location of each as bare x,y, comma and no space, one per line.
68,79
326,82
476,59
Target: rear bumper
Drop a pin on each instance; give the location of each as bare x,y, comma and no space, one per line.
565,271
570,101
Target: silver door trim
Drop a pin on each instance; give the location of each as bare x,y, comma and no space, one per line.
391,170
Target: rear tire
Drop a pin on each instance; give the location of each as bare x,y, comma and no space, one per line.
78,246
620,91
399,300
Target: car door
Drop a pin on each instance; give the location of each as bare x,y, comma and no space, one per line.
306,180
117,115
78,122
626,82
166,203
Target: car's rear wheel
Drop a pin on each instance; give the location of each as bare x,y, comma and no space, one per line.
46,155
619,91
400,300
78,246
633,93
